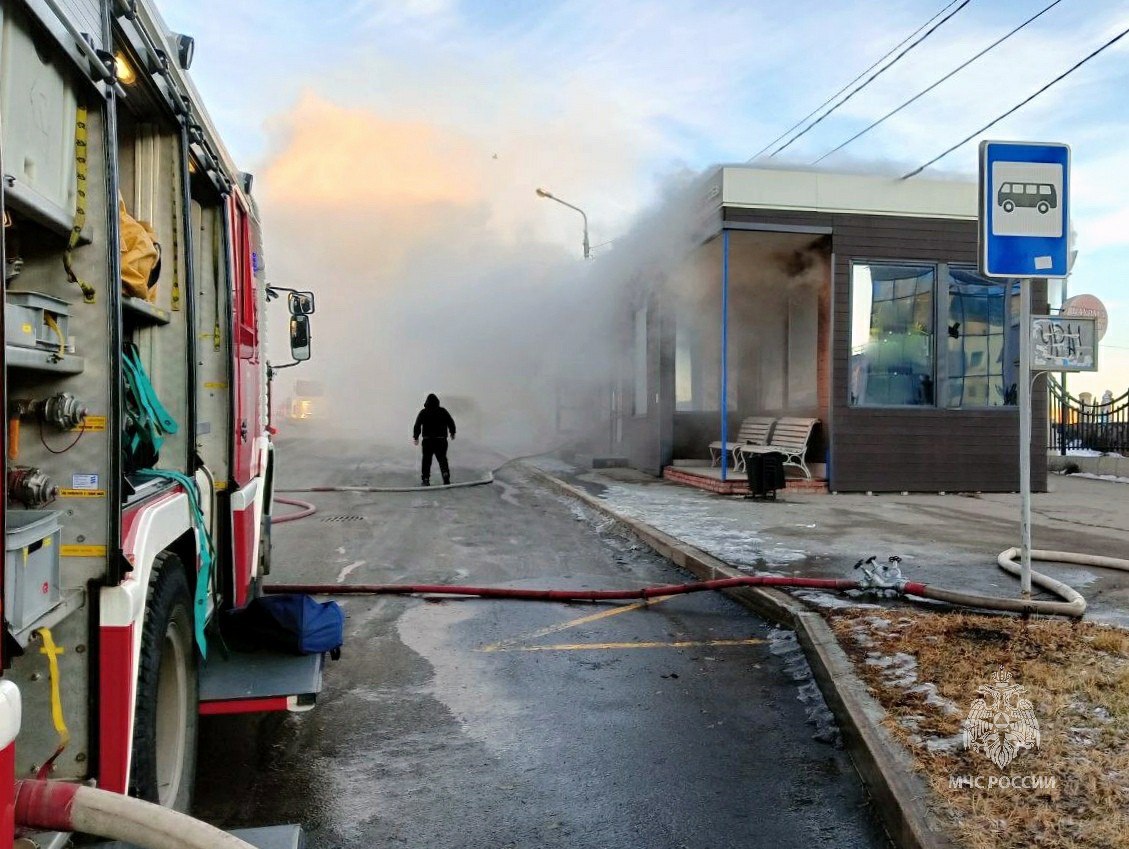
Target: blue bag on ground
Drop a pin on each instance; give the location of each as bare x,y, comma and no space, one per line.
292,623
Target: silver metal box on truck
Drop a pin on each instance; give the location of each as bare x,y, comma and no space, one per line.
25,324
31,566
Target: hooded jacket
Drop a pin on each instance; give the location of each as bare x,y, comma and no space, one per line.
433,421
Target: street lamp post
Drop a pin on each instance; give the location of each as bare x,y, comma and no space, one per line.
544,194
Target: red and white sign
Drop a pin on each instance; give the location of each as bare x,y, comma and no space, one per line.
1087,306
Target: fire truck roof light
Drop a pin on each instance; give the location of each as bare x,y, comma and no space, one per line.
124,71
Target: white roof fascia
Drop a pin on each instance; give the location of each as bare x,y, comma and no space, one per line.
820,191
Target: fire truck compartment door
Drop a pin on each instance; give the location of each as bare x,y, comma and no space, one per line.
39,116
259,681
270,837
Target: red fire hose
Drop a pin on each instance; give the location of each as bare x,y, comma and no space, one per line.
60,806
565,595
306,509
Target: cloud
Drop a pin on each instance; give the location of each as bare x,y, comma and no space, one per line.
336,156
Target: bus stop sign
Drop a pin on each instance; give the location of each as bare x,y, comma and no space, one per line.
1024,209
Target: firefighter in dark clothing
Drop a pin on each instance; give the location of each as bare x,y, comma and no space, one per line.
434,422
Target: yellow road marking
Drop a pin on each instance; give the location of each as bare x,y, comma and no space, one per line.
573,623
681,644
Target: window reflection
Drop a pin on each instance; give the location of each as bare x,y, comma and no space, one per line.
892,350
983,341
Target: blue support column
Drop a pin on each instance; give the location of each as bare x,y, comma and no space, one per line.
724,355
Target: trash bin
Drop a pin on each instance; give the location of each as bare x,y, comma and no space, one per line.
766,473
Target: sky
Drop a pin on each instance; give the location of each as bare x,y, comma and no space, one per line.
397,143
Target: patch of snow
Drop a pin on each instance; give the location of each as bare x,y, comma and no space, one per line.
1091,476
932,697
901,670
862,638
783,644
898,669
816,598
952,743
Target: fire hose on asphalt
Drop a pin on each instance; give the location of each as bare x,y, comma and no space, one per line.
304,510
884,577
489,479
307,509
64,807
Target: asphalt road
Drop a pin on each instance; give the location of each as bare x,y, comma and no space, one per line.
473,723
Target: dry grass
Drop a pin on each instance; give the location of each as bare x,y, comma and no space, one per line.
1076,676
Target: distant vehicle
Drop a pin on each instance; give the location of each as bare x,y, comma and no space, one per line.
1040,196
307,402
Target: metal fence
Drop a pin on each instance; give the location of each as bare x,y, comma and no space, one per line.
1094,425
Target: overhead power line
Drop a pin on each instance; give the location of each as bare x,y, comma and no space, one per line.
870,79
886,56
947,76
1019,105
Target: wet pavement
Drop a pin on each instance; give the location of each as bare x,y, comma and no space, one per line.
948,540
471,723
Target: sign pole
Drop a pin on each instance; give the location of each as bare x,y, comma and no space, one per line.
1024,231
1025,287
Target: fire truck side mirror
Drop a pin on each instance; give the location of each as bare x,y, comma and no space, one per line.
301,303
300,337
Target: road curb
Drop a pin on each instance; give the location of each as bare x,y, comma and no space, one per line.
885,768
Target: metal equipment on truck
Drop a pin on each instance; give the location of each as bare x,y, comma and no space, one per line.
139,463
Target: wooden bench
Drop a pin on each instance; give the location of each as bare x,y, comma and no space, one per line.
753,431
790,437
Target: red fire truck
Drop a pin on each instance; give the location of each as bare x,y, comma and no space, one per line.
139,464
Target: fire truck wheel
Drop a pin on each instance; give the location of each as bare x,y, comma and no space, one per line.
164,730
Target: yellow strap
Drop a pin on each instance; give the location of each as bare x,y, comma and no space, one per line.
174,161
79,205
52,651
50,320
217,242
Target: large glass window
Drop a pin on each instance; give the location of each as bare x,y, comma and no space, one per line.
898,360
892,334
982,333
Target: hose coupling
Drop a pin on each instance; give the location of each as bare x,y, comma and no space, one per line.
881,576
